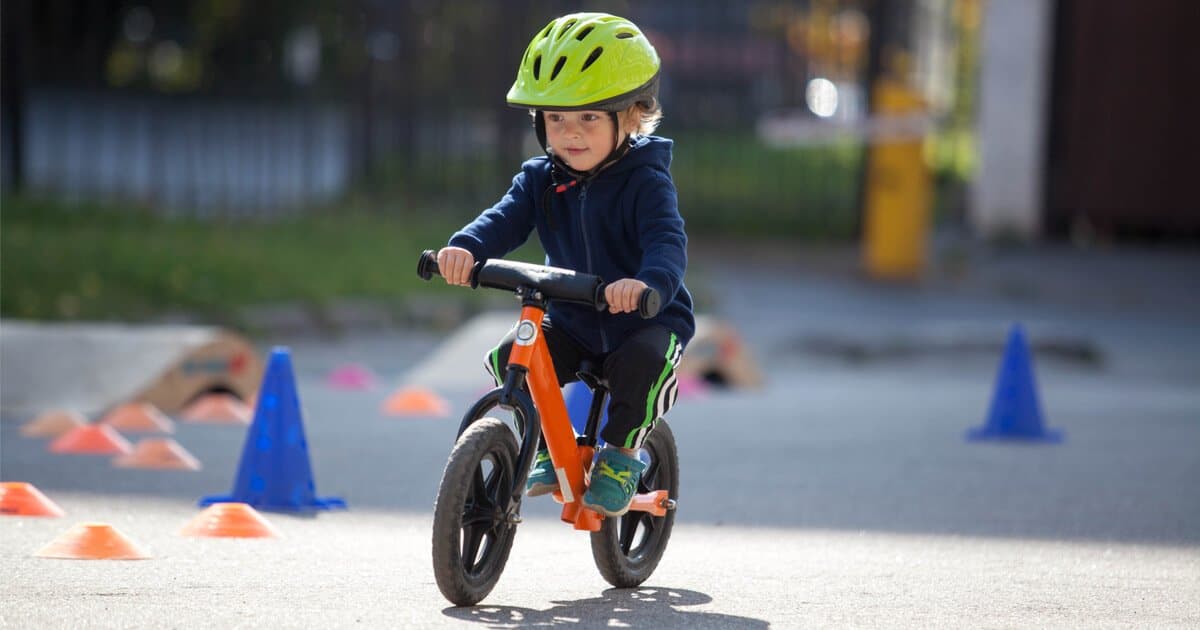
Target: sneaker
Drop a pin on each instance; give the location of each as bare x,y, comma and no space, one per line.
614,482
542,479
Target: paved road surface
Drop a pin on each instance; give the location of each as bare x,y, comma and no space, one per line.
841,495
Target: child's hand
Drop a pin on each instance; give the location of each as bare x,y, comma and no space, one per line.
455,263
622,296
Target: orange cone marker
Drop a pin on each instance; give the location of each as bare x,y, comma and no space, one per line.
53,423
416,401
92,541
218,409
138,417
230,520
93,439
158,454
18,498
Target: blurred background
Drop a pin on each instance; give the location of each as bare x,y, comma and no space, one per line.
189,159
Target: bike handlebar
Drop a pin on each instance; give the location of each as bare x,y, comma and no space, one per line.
554,282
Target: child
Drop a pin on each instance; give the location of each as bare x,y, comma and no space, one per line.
603,203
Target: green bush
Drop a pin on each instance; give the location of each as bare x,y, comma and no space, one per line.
733,183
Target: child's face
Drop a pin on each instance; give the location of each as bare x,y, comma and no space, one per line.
581,138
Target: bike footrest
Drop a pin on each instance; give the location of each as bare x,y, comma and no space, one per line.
656,503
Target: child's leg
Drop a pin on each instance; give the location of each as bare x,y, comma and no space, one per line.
641,379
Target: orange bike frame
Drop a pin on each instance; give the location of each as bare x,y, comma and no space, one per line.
529,350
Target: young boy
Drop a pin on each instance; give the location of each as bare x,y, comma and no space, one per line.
603,203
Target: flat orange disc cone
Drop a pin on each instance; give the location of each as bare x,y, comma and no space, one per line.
18,498
230,520
53,423
138,417
160,454
93,439
218,409
415,401
92,541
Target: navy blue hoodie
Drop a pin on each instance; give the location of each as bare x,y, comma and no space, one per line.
623,223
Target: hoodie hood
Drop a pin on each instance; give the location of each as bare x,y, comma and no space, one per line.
651,151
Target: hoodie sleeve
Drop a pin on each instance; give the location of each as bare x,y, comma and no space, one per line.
503,227
661,236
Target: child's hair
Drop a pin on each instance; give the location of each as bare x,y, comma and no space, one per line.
640,119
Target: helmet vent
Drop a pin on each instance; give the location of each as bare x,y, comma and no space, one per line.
584,32
557,67
537,67
624,35
592,58
566,27
546,31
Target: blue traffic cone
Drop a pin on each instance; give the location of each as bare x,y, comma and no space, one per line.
579,403
1015,413
274,473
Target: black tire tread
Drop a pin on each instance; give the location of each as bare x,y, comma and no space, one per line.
470,448
617,569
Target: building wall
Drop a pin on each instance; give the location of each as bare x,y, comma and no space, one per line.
1006,198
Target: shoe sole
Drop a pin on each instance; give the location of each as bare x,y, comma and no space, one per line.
603,510
538,489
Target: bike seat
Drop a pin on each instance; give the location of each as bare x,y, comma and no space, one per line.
589,373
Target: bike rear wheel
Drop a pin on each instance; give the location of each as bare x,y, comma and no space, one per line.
628,548
475,516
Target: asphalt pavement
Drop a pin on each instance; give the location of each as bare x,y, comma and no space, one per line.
841,494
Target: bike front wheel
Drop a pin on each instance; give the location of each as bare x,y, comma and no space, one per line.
628,548
475,517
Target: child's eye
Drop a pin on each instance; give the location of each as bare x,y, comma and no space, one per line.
555,118
590,118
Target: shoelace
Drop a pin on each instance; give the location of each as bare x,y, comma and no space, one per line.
623,477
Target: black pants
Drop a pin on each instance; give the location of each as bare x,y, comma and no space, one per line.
640,374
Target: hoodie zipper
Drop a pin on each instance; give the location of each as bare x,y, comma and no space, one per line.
587,251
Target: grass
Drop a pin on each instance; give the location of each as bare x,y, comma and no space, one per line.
96,262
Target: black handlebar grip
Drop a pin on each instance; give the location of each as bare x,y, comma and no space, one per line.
427,266
649,303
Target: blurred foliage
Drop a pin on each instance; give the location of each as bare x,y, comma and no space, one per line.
420,84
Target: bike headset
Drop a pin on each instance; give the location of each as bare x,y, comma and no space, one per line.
585,61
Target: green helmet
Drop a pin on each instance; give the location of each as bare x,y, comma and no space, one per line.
586,61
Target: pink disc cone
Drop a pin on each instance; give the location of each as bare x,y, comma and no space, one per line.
351,376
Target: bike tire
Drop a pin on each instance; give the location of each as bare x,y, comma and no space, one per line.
628,548
473,528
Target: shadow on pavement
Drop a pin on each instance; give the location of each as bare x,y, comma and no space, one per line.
644,607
